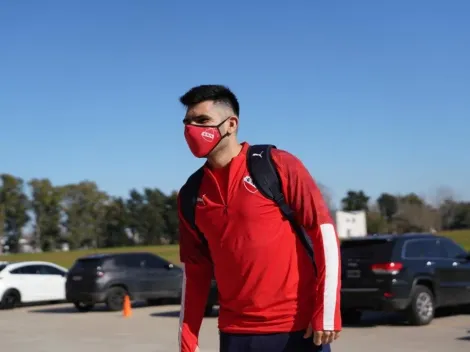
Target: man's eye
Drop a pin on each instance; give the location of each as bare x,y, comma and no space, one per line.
202,121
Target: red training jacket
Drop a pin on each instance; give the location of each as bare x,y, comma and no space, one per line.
265,278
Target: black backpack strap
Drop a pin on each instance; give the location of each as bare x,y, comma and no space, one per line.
266,179
188,200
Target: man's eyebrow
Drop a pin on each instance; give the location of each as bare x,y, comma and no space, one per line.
202,116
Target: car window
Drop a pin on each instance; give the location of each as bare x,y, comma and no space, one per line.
85,264
50,270
416,249
373,249
451,249
154,262
27,270
133,260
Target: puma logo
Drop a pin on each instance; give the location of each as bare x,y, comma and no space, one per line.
258,154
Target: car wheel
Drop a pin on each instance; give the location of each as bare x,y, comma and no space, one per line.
83,307
10,300
351,316
422,307
115,298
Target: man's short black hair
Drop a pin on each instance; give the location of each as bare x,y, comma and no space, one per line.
216,93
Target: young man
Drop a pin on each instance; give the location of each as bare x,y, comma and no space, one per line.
272,297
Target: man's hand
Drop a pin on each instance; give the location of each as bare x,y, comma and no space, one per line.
321,337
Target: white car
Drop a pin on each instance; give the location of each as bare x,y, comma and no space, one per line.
29,282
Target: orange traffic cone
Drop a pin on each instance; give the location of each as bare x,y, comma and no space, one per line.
126,308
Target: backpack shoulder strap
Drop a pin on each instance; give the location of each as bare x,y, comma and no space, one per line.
262,170
188,199
266,178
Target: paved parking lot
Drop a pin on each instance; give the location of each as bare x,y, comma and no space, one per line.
154,329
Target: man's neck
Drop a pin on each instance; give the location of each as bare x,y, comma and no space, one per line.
225,156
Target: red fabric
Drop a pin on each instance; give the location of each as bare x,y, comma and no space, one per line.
222,175
265,278
201,139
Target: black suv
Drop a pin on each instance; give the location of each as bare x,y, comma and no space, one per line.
411,273
107,278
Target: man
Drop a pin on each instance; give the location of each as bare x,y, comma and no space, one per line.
272,298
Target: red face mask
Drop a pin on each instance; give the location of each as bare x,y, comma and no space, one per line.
202,139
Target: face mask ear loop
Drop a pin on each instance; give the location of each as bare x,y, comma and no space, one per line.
226,133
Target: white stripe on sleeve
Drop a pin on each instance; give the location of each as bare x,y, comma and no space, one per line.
331,254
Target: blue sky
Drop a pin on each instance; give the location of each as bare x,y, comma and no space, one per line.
371,95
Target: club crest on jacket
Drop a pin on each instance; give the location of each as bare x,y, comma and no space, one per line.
249,185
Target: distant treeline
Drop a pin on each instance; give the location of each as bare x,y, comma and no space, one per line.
82,215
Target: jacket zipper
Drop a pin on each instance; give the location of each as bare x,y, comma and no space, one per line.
224,203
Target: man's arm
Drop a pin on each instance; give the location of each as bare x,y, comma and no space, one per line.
197,279
304,197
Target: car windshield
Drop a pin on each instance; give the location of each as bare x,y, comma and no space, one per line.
2,266
367,249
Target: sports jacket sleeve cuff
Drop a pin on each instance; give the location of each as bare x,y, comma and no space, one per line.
195,292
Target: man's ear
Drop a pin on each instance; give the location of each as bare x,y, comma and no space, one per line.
232,125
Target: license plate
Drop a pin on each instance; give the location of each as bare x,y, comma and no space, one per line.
76,278
353,274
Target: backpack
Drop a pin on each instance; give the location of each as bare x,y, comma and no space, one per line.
264,176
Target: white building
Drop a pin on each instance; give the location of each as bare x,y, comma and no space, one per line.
351,224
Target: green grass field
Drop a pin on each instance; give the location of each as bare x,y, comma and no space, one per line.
460,236
66,259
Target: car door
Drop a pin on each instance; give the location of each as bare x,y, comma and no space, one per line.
165,279
134,274
427,255
18,279
28,281
460,269
54,282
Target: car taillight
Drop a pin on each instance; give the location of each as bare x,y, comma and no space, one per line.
99,273
387,268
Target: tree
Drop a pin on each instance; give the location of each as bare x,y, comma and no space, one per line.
153,217
414,215
115,223
146,216
135,207
355,201
170,216
388,205
46,208
2,224
84,210
411,198
15,207
376,223
442,195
